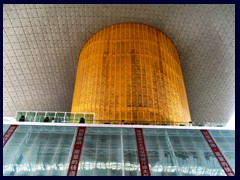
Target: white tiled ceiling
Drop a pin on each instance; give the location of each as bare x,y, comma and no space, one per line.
42,44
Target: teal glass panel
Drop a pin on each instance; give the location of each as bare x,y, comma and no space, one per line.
30,116
20,115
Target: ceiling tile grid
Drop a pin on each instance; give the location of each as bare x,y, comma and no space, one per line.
42,43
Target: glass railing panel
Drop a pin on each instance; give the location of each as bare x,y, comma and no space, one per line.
68,117
55,117
59,117
21,116
78,117
50,117
40,117
89,118
71,118
30,117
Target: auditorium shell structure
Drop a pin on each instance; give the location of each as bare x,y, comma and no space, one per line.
131,73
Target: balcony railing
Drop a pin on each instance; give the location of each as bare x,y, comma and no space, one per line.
55,117
89,118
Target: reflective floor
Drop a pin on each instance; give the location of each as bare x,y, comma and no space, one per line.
46,151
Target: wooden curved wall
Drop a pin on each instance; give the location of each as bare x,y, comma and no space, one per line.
131,73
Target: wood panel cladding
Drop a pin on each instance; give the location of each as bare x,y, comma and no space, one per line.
131,73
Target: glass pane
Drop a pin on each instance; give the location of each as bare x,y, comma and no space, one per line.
72,118
38,151
89,118
20,116
46,150
225,140
5,128
67,117
193,155
131,162
78,117
50,116
40,117
59,117
106,152
30,116
159,155
179,152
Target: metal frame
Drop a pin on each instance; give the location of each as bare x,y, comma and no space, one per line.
115,125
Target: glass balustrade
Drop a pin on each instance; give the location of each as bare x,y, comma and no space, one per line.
89,118
55,117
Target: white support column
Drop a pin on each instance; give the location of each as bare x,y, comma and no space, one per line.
34,120
55,115
175,162
109,156
55,157
201,155
160,151
73,141
64,117
30,154
25,116
122,154
96,154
